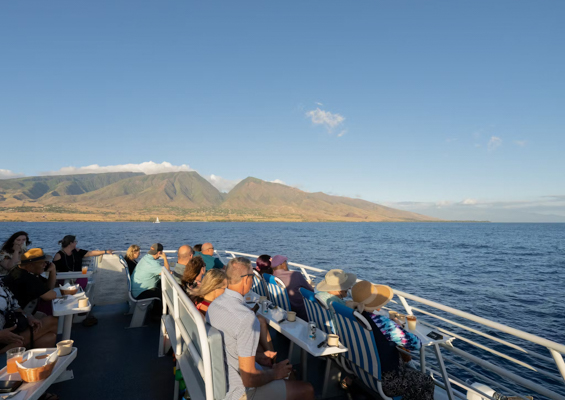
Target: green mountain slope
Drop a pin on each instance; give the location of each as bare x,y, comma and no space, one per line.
277,199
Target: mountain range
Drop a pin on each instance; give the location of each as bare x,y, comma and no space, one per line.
178,196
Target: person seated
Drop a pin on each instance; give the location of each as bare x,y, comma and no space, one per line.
19,334
334,286
263,265
241,332
69,258
12,250
26,282
397,378
293,281
193,273
146,278
207,254
213,285
132,254
184,255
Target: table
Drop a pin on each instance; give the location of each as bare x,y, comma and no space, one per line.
67,309
73,275
298,334
34,390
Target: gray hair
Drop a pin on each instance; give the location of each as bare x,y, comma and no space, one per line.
236,267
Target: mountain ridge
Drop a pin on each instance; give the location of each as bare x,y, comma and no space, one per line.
182,195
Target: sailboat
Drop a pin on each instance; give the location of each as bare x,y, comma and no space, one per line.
157,221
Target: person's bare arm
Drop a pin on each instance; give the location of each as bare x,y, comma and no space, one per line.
48,296
94,253
52,280
165,261
252,377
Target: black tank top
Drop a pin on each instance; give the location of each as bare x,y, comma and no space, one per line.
71,262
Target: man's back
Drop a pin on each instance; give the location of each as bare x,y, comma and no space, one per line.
25,285
210,261
240,330
145,275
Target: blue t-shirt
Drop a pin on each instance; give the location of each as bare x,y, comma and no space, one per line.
211,262
146,275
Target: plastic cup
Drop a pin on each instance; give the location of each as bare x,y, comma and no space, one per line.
333,340
84,270
291,316
13,355
392,314
412,322
65,347
401,318
83,302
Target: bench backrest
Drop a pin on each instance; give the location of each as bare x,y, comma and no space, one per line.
203,343
317,313
277,292
259,285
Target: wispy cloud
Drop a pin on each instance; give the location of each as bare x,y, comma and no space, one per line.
319,104
521,143
325,118
494,143
222,184
7,174
148,168
278,181
343,132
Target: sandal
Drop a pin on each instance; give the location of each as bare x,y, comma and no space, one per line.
89,321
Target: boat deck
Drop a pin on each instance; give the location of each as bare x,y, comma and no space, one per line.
118,363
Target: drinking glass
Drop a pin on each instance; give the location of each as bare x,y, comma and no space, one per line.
13,355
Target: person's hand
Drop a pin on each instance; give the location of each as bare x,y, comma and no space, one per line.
34,323
266,358
163,256
9,337
51,268
282,369
17,248
110,251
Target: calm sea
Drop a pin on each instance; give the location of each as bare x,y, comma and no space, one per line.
510,273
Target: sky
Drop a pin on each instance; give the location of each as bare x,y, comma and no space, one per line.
448,108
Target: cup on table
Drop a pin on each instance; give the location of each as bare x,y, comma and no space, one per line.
412,322
13,355
84,270
333,340
291,316
401,318
392,314
83,302
65,347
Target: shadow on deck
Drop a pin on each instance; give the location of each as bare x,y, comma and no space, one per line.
117,363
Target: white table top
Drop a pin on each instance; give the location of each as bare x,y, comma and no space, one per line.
298,332
34,390
69,306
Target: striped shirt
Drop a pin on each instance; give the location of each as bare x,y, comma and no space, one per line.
240,330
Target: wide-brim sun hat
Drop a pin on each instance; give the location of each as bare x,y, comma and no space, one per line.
35,254
369,297
336,279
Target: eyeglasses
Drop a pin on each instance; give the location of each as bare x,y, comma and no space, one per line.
243,276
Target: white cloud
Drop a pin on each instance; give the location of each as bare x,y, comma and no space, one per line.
325,118
222,184
7,174
320,104
494,142
520,143
148,168
278,181
469,202
343,132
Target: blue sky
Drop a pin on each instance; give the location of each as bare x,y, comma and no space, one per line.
449,108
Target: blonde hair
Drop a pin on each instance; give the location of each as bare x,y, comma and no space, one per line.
132,249
214,279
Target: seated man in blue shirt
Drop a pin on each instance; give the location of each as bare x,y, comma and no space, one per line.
240,329
146,278
207,255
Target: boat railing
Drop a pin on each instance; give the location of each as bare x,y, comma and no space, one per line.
478,352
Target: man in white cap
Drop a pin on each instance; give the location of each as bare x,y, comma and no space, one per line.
334,287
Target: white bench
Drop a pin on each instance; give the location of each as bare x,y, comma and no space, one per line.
138,308
198,347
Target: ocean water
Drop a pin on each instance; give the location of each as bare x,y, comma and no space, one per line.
510,273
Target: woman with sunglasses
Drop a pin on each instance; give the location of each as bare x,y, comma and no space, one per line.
69,258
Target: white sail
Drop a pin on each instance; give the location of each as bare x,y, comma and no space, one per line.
157,221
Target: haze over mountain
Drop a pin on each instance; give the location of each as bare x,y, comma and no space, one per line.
181,196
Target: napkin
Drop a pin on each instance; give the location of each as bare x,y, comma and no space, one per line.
278,314
68,286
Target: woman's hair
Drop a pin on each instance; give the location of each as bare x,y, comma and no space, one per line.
132,249
8,245
67,240
192,270
214,279
264,264
197,247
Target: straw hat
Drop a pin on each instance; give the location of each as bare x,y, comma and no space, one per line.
336,279
35,254
369,297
